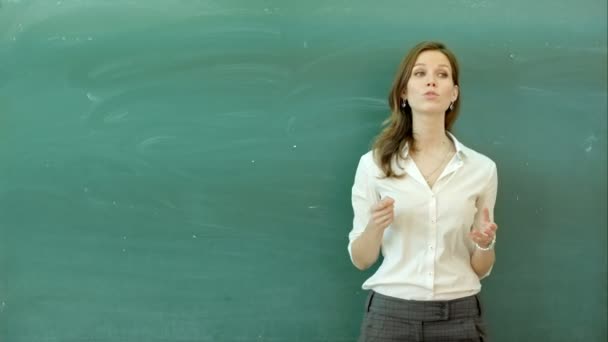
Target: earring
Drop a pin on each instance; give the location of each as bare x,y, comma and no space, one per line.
404,104
451,105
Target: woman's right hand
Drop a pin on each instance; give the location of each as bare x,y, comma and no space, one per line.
382,214
366,248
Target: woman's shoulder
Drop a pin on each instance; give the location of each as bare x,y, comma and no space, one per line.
368,162
474,157
477,158
367,157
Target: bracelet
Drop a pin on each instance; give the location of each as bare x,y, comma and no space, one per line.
491,246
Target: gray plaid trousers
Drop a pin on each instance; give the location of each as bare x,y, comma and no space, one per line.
395,320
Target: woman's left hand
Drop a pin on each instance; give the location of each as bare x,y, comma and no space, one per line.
484,235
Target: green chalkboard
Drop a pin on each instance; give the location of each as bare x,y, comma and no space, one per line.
181,170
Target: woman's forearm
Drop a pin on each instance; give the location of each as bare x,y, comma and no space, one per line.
366,248
482,261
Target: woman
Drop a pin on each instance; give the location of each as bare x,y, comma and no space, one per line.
426,201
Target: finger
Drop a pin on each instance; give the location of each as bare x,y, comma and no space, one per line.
385,202
480,232
477,236
383,221
386,222
480,237
388,199
380,215
490,231
377,216
477,240
383,212
389,214
380,205
386,209
486,215
481,241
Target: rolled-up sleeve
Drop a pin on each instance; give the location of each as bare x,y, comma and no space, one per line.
363,197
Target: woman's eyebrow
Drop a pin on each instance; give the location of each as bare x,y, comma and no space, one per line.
441,65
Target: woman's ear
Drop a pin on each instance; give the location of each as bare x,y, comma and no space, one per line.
455,93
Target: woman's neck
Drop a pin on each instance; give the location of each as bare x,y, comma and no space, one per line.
429,133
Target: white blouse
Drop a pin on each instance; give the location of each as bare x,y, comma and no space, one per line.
426,250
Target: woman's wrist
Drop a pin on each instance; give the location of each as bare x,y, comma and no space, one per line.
488,247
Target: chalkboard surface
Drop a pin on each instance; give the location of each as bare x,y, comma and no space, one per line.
181,170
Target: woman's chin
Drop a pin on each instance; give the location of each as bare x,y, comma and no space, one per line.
429,110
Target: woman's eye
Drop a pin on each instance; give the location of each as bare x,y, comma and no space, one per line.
443,75
418,73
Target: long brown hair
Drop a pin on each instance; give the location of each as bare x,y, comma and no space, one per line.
398,130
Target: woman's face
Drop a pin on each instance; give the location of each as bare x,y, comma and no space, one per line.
430,88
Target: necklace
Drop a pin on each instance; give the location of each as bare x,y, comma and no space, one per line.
428,176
